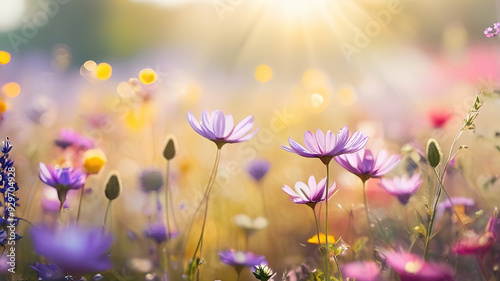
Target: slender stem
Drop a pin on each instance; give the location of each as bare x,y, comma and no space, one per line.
61,206
80,205
206,198
324,257
483,270
431,223
106,215
327,185
167,177
449,198
365,202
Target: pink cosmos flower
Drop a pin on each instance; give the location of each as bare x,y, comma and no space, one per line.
220,128
402,187
364,165
361,271
411,267
326,146
310,193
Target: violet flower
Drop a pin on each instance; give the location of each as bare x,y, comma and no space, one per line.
361,271
220,128
326,146
62,179
460,203
68,137
402,187
158,232
74,250
241,258
49,272
257,169
310,193
411,267
365,165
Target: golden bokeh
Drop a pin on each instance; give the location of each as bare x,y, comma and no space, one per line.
3,106
147,76
314,78
11,89
103,71
263,73
4,57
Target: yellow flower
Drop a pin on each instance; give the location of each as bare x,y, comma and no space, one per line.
94,159
322,239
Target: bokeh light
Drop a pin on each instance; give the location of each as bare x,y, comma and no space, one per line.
11,89
103,71
263,73
4,57
3,106
147,76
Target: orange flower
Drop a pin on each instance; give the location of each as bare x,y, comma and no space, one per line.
322,239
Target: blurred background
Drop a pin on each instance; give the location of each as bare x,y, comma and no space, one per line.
399,70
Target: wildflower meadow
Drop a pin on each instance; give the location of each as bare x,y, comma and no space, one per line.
223,140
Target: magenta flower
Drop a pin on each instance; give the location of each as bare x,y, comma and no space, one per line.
220,128
74,250
326,146
364,165
411,267
241,258
492,31
402,187
310,193
361,271
474,244
257,169
68,137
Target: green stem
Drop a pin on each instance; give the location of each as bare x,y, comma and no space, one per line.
206,198
106,215
326,228
80,205
365,202
483,270
324,257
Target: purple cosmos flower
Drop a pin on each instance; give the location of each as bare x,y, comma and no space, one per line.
460,202
361,271
49,272
402,187
74,250
61,178
68,137
257,169
325,147
492,31
220,128
158,232
411,267
310,193
241,258
364,165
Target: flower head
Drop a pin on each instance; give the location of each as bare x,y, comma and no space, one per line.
158,232
474,244
365,165
461,205
257,169
74,250
361,271
310,193
492,31
326,146
94,160
322,239
263,272
68,137
49,272
220,128
411,267
151,180
241,258
61,178
246,223
402,187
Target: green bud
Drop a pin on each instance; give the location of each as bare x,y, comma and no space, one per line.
434,152
169,151
113,187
